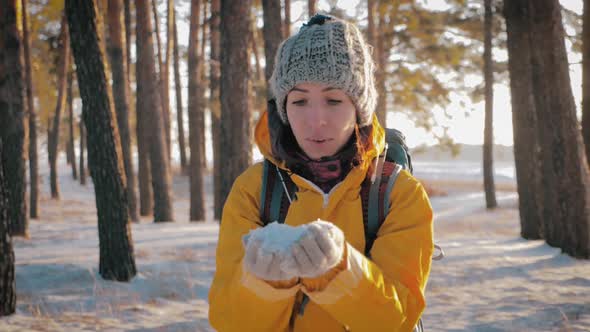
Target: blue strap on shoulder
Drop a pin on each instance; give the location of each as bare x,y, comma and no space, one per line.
265,167
276,200
373,208
390,183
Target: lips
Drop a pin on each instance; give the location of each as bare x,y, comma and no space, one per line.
318,140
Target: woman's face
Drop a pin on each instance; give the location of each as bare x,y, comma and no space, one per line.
322,118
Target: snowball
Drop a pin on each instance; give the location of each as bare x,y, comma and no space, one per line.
275,237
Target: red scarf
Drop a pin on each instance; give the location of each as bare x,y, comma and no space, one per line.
327,171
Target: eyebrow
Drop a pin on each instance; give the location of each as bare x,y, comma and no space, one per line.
323,90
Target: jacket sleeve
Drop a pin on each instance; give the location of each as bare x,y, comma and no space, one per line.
239,301
387,292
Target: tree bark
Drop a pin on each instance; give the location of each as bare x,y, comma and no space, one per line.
160,168
371,28
257,74
163,81
203,83
106,165
179,108
68,150
82,148
235,116
129,28
488,137
7,280
146,196
203,42
33,159
165,77
287,25
381,55
128,34
12,104
214,104
195,116
586,78
11,123
311,7
524,120
117,54
272,40
566,182
70,99
53,141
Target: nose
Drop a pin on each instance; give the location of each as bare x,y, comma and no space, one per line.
317,116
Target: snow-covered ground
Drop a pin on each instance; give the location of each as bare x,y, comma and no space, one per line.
490,280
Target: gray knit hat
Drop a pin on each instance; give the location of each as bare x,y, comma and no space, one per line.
330,51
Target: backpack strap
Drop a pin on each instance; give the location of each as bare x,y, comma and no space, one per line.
376,206
385,199
263,190
372,221
276,194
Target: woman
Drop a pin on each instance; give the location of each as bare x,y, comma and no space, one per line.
326,137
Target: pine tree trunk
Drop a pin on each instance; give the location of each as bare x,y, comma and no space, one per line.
524,120
53,141
586,78
33,160
179,108
117,260
214,103
82,148
488,137
257,75
160,168
117,55
381,61
146,196
235,114
287,25
71,126
566,182
13,155
11,121
311,7
163,81
371,31
203,83
197,209
7,280
272,40
165,77
129,28
12,107
68,150
128,32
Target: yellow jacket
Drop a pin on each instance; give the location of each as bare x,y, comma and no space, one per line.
385,293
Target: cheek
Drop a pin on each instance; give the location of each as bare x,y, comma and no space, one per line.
347,121
297,122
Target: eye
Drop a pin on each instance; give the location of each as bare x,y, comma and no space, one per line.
299,102
334,101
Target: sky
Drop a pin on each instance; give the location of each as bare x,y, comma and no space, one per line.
466,122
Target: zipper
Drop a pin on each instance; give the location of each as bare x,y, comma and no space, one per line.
325,197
